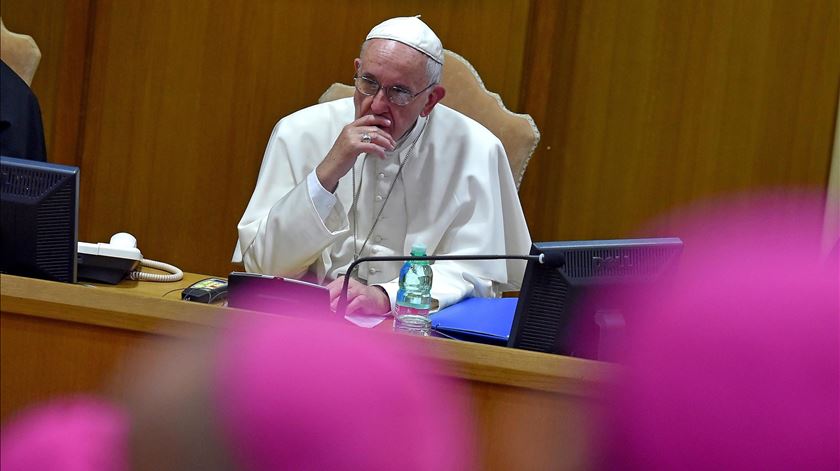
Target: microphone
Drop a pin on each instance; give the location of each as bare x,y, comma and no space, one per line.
552,260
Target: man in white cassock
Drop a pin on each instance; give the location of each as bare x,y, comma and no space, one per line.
375,174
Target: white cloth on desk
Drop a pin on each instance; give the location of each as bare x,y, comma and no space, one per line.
456,195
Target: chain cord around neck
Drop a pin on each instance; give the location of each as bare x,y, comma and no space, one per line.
356,193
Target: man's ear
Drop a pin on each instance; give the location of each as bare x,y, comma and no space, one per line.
432,98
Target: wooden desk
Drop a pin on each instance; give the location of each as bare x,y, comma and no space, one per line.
530,408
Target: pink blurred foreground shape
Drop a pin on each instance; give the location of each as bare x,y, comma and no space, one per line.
736,367
78,433
330,396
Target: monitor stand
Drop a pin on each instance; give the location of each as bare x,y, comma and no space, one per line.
611,334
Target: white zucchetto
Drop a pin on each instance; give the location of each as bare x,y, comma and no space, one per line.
411,31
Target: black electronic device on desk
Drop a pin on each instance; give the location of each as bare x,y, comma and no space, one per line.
579,308
278,295
208,291
39,226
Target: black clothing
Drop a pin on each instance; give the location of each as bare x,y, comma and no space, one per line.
21,129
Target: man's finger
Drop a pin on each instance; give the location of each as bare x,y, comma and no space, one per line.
379,134
382,139
334,287
372,148
372,120
358,305
371,124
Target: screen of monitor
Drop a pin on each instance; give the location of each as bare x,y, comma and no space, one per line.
577,304
39,219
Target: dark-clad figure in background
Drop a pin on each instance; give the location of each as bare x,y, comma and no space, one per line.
21,130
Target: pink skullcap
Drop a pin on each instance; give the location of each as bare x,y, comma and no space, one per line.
72,434
300,395
735,367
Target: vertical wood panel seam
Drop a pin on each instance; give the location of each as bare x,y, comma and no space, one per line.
85,82
832,152
528,62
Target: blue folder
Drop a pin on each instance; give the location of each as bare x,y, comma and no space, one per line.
483,320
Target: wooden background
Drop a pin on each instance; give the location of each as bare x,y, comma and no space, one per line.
645,106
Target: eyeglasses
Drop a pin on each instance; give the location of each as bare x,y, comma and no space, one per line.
396,95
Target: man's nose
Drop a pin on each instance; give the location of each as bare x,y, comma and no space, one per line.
380,101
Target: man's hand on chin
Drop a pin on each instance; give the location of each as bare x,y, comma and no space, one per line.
361,298
362,136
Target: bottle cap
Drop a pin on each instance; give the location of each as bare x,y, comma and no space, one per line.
418,249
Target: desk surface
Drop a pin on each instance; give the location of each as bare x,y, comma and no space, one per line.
158,308
151,289
513,391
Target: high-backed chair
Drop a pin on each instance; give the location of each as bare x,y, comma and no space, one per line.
20,53
466,93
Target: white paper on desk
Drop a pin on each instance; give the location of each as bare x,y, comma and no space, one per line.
366,321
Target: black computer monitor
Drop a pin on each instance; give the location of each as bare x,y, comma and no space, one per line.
39,212
578,305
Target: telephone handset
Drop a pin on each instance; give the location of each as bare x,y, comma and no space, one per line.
120,258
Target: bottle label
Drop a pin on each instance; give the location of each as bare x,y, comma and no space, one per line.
400,310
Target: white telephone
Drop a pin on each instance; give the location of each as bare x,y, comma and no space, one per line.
111,262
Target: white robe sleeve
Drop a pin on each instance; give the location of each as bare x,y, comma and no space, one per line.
281,232
323,200
470,208
489,222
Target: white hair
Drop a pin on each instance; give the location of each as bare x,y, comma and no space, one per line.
434,70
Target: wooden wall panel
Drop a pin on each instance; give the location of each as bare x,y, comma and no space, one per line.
644,106
183,96
648,105
60,28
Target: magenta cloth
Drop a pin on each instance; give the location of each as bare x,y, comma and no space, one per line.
737,366
78,433
304,395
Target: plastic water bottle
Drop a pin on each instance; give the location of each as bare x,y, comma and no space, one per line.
414,298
